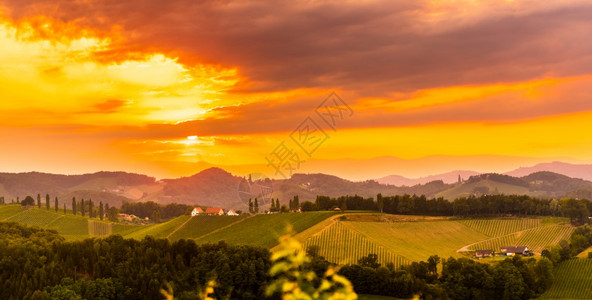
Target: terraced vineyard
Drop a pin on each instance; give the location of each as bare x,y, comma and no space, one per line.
34,217
340,244
573,280
344,240
69,226
395,242
264,230
202,225
99,229
499,227
125,229
161,230
535,238
7,211
419,240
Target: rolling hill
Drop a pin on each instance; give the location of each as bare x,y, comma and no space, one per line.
216,187
402,239
449,178
583,171
340,237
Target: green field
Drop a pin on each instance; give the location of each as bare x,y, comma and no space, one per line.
340,244
573,280
493,227
401,239
69,226
341,238
260,230
536,239
397,242
202,225
7,211
264,230
161,230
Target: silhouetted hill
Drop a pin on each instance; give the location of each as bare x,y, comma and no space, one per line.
217,187
449,178
308,186
539,184
558,185
583,171
211,187
33,183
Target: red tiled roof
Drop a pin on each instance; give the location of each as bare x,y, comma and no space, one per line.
213,210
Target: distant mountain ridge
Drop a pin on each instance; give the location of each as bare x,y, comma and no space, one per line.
449,177
217,187
582,171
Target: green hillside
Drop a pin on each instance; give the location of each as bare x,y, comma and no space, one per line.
264,230
494,227
69,226
260,230
399,240
396,242
341,238
573,280
536,239
202,225
161,230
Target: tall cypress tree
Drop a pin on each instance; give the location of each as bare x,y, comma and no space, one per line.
82,207
277,204
64,208
272,208
101,210
256,206
47,201
73,205
39,200
56,204
90,208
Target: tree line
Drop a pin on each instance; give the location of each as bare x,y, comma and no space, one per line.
462,278
578,210
155,211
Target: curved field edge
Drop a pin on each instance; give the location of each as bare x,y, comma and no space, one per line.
536,239
158,230
199,226
398,242
573,280
265,230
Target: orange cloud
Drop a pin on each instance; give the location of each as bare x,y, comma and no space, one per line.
133,80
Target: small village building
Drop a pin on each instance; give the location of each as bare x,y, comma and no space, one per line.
214,211
231,213
197,211
513,250
483,253
125,217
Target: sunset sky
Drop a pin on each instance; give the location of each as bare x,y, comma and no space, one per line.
168,88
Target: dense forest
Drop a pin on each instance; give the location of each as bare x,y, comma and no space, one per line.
40,264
